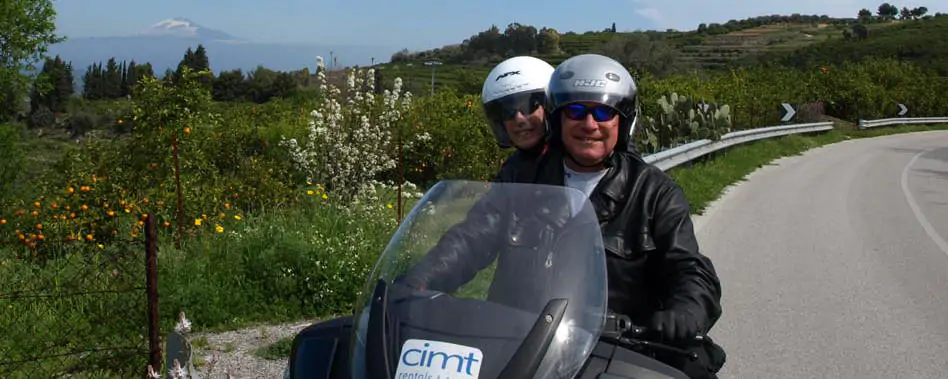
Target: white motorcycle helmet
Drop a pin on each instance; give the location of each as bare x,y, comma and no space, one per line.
518,83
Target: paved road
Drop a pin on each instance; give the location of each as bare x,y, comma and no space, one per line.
834,264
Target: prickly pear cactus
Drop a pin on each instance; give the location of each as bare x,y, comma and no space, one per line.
679,120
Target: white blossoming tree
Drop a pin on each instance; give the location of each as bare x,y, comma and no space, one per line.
351,138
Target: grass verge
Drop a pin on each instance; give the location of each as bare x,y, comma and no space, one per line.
705,180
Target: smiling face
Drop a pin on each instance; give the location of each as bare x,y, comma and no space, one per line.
526,131
590,133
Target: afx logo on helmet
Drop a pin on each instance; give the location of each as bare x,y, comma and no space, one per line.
506,74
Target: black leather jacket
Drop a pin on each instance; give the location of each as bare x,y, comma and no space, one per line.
520,164
654,262
652,253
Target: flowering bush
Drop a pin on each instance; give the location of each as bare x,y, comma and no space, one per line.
350,139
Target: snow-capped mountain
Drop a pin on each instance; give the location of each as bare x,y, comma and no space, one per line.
164,43
185,28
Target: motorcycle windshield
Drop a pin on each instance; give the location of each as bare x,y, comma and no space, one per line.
485,280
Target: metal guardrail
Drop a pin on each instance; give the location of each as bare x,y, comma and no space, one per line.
671,158
865,124
674,157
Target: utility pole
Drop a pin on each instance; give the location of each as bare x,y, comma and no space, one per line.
433,64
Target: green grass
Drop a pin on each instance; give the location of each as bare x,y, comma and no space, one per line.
277,350
705,180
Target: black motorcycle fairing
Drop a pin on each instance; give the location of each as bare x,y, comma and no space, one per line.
611,361
330,357
498,330
325,346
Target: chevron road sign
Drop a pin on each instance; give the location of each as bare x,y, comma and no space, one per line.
789,112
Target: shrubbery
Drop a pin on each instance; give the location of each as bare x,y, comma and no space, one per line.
269,228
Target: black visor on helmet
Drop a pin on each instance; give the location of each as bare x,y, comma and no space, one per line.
505,108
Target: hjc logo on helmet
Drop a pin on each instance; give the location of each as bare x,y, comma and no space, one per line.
589,83
506,74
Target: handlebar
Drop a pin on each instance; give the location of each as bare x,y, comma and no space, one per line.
618,326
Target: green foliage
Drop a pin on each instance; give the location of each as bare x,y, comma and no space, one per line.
491,45
262,84
850,91
48,312
11,160
80,123
27,28
680,120
53,86
42,117
736,25
195,60
115,81
287,265
920,41
461,145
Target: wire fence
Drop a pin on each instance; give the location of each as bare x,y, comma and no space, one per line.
84,305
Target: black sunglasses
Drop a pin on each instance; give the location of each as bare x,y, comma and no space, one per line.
601,113
525,103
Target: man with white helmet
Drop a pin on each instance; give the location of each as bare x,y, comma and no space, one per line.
513,97
657,276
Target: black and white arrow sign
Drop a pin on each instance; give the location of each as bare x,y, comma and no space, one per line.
789,112
703,106
902,109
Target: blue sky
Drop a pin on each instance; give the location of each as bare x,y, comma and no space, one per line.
422,24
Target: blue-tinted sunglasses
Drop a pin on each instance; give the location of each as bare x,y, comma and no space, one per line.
601,113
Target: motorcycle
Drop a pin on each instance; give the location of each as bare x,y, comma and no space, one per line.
529,303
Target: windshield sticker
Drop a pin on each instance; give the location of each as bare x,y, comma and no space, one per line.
424,359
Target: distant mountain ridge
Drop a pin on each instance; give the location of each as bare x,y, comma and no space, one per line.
164,43
185,28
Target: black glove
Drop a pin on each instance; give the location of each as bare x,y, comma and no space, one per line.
676,325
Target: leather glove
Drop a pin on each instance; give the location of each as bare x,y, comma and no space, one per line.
676,325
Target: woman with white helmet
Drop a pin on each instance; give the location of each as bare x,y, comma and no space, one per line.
513,97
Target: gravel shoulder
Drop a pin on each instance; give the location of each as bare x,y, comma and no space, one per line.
232,352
